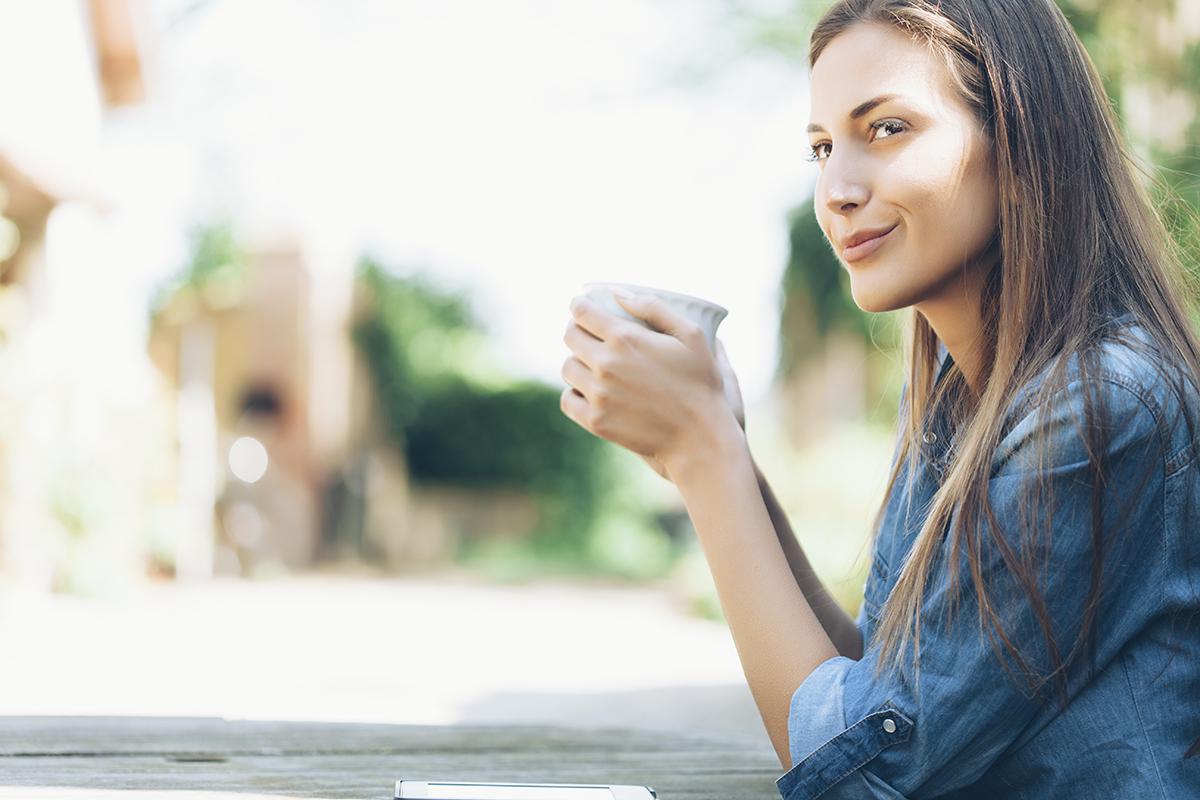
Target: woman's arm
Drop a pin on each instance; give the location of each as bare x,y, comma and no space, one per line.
659,393
837,623
779,638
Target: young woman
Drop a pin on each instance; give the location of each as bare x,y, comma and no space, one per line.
1029,627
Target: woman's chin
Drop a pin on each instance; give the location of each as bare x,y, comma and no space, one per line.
873,302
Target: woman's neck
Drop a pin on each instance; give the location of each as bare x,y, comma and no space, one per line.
955,315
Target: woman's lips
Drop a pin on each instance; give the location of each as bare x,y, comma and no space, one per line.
864,249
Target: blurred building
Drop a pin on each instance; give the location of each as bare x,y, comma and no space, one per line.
278,437
239,356
243,437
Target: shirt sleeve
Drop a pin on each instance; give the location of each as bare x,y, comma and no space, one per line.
855,735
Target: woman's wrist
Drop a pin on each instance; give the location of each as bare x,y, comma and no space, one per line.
712,444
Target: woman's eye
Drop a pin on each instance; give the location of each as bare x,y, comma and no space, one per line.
879,130
815,153
887,127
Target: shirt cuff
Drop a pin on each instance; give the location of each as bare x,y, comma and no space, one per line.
824,749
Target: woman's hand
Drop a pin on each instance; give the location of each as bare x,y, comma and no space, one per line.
733,391
657,392
733,396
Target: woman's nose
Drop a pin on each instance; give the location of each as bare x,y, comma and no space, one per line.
843,193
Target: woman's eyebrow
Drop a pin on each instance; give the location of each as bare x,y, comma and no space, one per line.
860,109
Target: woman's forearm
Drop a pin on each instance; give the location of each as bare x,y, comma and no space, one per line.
837,623
779,638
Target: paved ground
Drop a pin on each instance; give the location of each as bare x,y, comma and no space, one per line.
422,651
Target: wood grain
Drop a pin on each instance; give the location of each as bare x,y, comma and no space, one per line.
330,760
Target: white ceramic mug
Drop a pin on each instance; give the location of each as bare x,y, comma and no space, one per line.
706,314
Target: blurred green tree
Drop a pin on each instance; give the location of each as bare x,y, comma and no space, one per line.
214,275
816,294
453,429
1148,55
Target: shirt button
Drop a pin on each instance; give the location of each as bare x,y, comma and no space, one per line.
889,725
929,437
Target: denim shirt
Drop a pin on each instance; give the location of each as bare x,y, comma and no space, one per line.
975,732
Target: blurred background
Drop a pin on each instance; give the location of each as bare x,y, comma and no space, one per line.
282,291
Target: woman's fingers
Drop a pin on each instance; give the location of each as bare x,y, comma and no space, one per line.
574,406
660,317
599,323
588,317
582,344
579,377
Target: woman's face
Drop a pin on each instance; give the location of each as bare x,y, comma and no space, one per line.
903,158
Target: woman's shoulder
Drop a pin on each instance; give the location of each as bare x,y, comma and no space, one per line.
1130,379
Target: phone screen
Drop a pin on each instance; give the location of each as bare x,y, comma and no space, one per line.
471,791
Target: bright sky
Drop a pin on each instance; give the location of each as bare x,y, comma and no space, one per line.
517,149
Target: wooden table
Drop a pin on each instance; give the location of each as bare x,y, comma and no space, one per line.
307,759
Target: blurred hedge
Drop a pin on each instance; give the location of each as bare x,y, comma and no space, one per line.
423,349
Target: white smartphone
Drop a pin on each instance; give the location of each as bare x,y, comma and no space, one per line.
460,790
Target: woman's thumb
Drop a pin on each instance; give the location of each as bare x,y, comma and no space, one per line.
651,310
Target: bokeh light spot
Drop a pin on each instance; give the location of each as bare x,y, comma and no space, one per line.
248,459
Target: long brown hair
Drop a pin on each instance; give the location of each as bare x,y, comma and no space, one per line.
1078,242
